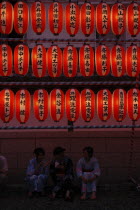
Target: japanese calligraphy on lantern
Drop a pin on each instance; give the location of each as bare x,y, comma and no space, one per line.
57,104
6,17
5,60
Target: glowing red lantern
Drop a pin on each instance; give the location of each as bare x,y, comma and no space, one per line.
70,61
72,19
21,59
6,17
72,104
133,61
54,61
23,105
55,16
103,18
133,19
104,104
6,105
133,104
40,104
38,17
6,60
87,104
86,60
57,104
39,65
119,104
118,18
21,17
102,58
87,18
118,61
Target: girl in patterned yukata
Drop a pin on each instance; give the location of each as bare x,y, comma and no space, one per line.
37,173
88,171
61,171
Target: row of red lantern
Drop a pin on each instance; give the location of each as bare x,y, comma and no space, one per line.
118,103
117,18
54,60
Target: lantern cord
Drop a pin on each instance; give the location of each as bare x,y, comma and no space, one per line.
68,127
69,83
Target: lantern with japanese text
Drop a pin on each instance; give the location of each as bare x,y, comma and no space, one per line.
72,104
21,59
87,104
103,18
133,61
6,17
57,104
133,19
72,13
6,60
55,16
6,105
118,18
117,61
87,18
54,61
40,104
133,104
102,58
38,17
86,60
39,65
21,17
70,61
104,104
119,105
23,105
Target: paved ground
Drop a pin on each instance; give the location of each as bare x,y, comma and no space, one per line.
120,199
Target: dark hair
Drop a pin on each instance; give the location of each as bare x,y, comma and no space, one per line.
89,151
39,151
58,150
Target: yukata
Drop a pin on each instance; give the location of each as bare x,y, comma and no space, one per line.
3,175
62,177
88,170
36,181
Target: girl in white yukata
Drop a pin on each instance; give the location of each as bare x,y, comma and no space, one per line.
88,171
37,173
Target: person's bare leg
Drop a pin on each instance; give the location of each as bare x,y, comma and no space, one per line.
93,195
83,196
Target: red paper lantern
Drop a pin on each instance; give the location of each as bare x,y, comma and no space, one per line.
102,58
57,104
70,61
87,104
39,65
21,59
23,105
40,104
86,61
6,60
118,18
72,104
87,18
72,14
21,17
119,104
118,61
6,105
104,104
133,61
54,61
6,17
133,104
55,16
133,19
103,18
38,17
